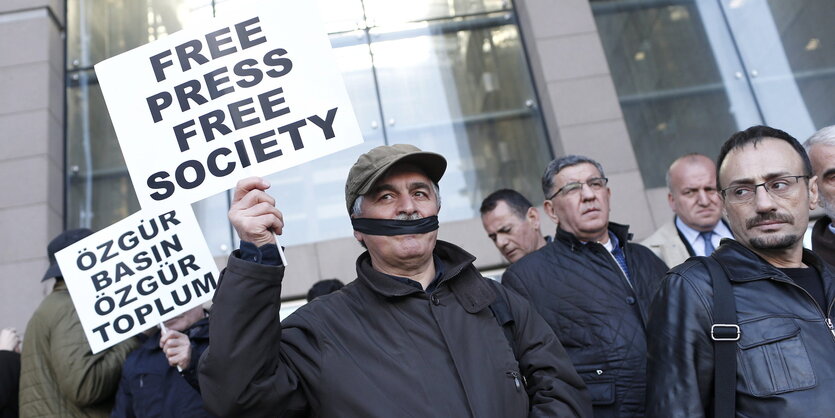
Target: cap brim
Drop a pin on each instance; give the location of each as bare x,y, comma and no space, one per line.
53,271
434,165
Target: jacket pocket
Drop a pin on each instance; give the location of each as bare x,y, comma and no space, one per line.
601,386
773,358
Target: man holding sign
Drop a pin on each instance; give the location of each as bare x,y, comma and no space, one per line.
419,333
60,375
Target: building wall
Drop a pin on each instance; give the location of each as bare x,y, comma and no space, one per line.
31,155
574,88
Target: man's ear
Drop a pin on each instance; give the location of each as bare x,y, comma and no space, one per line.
533,217
671,202
814,197
548,206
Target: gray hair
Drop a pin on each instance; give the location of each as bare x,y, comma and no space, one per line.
356,209
558,164
825,136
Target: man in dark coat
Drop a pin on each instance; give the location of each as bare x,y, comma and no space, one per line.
9,372
782,339
418,334
821,149
592,286
159,378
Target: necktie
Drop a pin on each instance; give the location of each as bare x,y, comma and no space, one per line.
708,242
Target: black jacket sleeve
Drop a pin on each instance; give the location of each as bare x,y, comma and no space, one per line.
253,367
680,353
9,382
554,387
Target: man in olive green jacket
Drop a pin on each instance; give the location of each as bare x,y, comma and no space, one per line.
60,376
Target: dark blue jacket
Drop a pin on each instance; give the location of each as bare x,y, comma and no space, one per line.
597,315
151,388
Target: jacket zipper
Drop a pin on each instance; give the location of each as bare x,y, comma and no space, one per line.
516,379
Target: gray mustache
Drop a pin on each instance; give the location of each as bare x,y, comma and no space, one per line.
409,217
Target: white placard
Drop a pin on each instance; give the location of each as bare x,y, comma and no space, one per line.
247,94
136,273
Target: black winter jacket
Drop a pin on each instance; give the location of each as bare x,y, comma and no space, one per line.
151,388
785,355
381,348
582,293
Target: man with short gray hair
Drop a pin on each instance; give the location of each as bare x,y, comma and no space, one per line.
592,286
821,149
419,333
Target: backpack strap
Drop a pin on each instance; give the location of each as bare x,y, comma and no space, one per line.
501,311
725,333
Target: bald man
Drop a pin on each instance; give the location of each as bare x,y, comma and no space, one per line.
697,226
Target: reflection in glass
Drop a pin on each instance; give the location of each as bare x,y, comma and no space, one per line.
386,12
461,88
807,37
98,30
664,66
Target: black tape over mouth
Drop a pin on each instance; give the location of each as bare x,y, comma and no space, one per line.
392,227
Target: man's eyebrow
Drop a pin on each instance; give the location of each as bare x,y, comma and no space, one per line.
381,187
419,185
766,177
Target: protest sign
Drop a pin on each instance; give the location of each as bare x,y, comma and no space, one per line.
137,273
248,94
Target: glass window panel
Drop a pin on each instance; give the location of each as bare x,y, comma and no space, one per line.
100,191
98,30
462,88
792,52
386,12
666,67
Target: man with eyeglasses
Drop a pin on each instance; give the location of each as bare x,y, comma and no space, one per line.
696,228
779,336
592,286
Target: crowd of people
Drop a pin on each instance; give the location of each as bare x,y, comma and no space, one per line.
720,312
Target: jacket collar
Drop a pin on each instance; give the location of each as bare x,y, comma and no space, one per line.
620,231
744,265
473,293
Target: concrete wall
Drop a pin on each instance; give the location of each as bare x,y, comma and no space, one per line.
31,155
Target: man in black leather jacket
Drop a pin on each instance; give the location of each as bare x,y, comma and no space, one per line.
592,286
783,294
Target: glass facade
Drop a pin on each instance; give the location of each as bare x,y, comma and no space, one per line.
448,76
688,73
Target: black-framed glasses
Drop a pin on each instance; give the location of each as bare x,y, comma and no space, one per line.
782,187
595,183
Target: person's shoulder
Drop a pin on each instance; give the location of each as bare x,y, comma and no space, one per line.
660,236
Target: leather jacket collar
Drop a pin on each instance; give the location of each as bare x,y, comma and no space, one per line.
744,265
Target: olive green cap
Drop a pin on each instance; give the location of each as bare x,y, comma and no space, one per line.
373,164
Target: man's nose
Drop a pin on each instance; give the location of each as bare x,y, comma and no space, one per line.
763,200
501,241
587,192
406,205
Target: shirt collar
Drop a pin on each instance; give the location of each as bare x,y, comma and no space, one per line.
692,235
